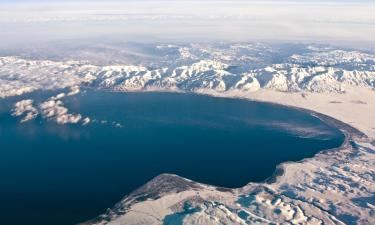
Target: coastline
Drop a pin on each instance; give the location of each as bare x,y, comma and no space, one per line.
286,173
349,132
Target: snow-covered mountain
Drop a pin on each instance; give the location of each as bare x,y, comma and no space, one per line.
196,67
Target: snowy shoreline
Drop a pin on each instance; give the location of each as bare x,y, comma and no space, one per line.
135,207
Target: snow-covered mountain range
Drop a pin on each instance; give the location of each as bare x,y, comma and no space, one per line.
192,67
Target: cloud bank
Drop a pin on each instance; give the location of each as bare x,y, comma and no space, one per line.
189,21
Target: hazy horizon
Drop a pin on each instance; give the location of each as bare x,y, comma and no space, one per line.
350,23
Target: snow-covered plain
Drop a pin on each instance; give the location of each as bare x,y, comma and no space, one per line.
334,187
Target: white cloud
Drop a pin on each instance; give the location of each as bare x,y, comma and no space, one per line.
55,110
25,107
86,121
118,125
68,118
74,90
19,76
59,96
52,109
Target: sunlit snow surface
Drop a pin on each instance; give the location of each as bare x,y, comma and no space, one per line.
220,67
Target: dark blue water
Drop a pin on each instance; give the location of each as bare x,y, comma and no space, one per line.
53,174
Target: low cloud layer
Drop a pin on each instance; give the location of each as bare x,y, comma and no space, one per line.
51,109
54,109
349,21
26,109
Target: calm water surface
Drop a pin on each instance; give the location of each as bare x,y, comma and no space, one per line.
53,174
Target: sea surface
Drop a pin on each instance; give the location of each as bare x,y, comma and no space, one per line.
54,174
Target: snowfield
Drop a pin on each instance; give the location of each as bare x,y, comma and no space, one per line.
338,85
